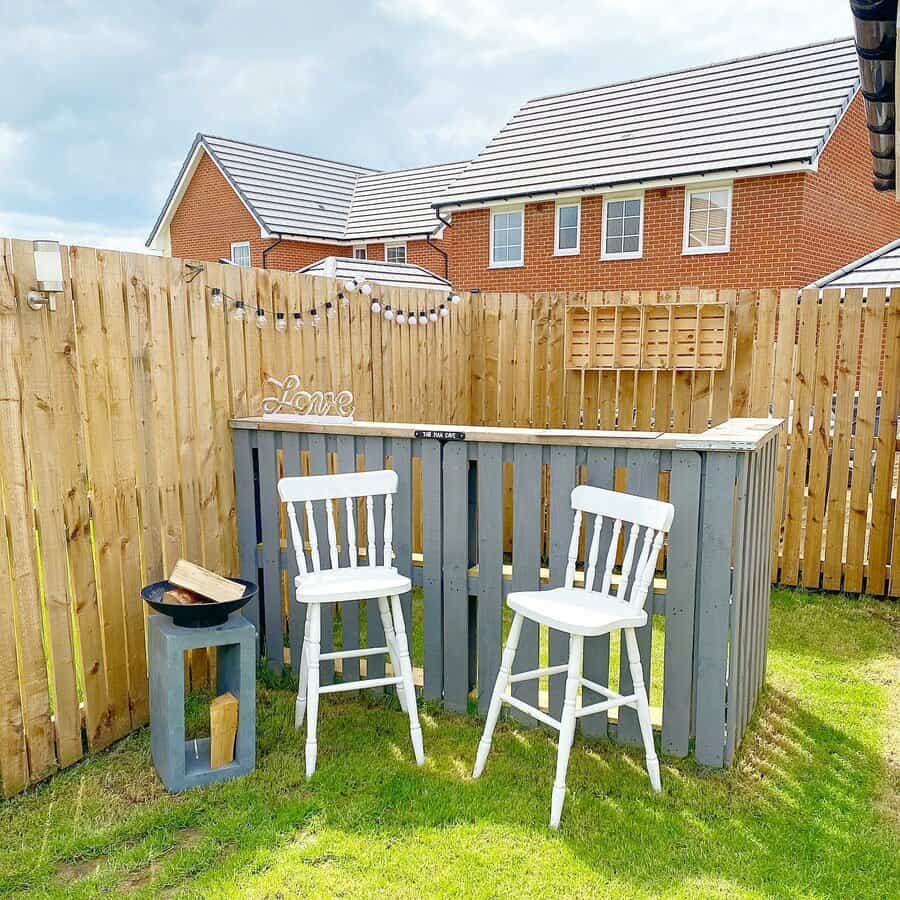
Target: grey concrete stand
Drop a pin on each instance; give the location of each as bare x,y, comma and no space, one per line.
184,764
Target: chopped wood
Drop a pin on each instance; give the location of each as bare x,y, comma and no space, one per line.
184,597
223,723
207,584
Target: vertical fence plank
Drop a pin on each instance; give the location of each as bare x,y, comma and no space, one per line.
401,462
711,643
432,576
490,569
248,530
456,558
269,505
318,465
290,445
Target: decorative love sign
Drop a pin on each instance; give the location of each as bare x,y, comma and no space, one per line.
292,403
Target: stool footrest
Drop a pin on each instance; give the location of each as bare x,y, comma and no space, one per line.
351,654
537,673
618,700
358,685
532,711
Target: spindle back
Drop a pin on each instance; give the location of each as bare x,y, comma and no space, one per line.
349,487
614,511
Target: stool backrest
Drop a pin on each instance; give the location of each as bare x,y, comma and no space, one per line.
614,510
349,488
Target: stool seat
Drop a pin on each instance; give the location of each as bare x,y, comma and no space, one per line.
359,583
576,610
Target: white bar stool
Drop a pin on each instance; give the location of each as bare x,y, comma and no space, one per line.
584,612
345,584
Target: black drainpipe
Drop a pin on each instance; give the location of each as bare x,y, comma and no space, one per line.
443,253
266,250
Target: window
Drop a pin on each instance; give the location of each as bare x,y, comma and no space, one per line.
395,253
360,252
240,254
623,227
707,219
568,226
507,244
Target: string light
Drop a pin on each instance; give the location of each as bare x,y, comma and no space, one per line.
401,318
215,298
280,322
376,306
432,316
345,301
314,317
454,299
350,284
388,312
330,311
239,313
298,321
412,318
423,319
444,312
366,289
260,317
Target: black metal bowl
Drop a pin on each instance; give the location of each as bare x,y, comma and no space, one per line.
196,615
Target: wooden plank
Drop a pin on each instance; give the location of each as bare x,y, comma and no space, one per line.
785,353
863,441
344,447
102,467
711,643
318,465
799,436
681,584
269,505
600,473
290,444
237,369
402,464
523,357
555,383
643,480
820,436
42,429
744,326
762,374
885,448
455,559
526,557
432,575
252,356
248,526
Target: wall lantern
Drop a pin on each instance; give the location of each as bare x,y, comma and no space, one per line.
48,275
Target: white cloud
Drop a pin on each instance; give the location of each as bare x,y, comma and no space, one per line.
87,234
12,142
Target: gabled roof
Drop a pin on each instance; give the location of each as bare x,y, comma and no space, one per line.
880,268
296,195
391,204
748,114
376,271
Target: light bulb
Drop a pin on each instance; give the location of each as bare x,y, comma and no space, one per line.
454,298
215,300
432,315
412,318
345,301
298,321
401,318
350,284
314,317
366,289
260,317
280,322
423,319
330,311
388,312
239,313
376,306
444,311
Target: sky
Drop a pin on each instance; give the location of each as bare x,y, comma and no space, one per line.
102,100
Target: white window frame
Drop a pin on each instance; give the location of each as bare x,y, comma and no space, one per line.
557,250
249,258
514,264
365,251
395,244
689,191
629,254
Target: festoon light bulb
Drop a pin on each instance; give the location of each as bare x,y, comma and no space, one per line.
215,299
298,321
388,312
444,312
280,322
239,313
376,306
260,317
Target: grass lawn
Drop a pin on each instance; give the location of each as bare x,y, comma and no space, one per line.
809,809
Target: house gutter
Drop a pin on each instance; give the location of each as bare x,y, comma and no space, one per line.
266,250
875,24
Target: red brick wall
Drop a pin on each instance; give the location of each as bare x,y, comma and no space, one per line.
211,217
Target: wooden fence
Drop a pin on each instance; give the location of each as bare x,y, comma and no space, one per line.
721,483
826,361
116,459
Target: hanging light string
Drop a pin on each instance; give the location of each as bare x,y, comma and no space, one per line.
418,316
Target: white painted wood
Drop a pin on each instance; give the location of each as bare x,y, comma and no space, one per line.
585,612
344,584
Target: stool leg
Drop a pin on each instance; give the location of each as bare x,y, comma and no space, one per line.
500,686
300,706
567,727
314,613
643,707
391,640
415,729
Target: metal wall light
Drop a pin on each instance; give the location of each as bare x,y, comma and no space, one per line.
48,275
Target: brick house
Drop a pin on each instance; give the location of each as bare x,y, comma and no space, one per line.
738,174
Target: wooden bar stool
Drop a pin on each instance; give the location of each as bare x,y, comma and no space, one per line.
584,612
337,584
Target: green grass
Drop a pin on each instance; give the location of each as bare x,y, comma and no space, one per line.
809,809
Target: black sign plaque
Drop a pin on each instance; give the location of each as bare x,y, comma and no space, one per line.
441,435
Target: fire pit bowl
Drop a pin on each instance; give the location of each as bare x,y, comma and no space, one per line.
196,615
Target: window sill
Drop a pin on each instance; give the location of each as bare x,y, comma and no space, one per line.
575,252
507,265
703,251
613,257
